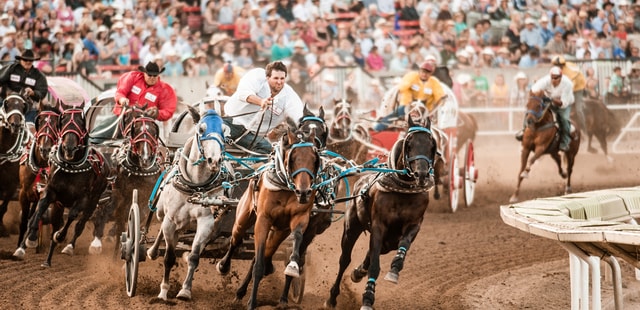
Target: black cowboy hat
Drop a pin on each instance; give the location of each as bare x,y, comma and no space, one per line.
151,69
28,55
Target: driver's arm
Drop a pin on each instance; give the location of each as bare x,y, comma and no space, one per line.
40,89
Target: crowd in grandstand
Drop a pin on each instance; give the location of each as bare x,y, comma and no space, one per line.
197,38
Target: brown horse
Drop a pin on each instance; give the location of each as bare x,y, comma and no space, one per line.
391,206
279,203
34,165
138,162
14,138
541,137
345,135
78,177
601,123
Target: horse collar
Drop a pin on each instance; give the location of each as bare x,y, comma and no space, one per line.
80,166
15,152
123,160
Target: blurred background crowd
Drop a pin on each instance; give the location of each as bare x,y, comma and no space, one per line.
100,39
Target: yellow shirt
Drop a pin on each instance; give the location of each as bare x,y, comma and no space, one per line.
228,86
411,88
572,71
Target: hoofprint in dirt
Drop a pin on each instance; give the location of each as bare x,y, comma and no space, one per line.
466,260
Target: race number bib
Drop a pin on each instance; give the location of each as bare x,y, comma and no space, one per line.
30,82
14,78
136,90
415,87
150,97
276,110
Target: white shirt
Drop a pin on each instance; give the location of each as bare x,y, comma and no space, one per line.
285,104
564,90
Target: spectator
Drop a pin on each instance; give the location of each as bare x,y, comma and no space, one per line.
616,84
108,53
520,94
531,34
530,60
358,56
556,46
298,84
119,36
400,62
124,57
408,11
244,60
173,66
487,59
374,61
499,94
546,33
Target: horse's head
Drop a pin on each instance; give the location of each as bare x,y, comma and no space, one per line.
128,114
418,153
73,131
143,133
47,128
210,140
537,107
419,114
312,124
301,162
341,125
14,109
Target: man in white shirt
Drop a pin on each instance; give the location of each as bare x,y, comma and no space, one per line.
559,89
262,101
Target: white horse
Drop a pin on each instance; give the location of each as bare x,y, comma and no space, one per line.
198,169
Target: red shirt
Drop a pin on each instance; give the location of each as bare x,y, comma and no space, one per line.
131,85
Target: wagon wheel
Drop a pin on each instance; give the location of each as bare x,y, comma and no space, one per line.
470,174
130,243
454,182
296,291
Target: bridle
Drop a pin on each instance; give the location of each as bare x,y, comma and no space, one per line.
406,160
72,126
5,115
320,133
144,136
288,176
543,106
49,128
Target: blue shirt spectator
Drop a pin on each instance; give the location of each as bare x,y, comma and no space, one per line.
531,34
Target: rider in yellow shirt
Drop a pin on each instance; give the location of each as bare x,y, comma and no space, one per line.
227,78
415,85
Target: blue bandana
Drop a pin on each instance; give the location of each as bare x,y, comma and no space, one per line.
214,124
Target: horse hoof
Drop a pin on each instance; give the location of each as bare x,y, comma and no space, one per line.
292,270
152,254
46,265
184,294
327,305
366,308
221,269
68,250
392,277
592,150
436,196
95,247
609,159
524,174
31,243
513,199
19,254
356,276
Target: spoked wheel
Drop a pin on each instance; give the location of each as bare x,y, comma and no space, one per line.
296,291
130,246
470,174
454,182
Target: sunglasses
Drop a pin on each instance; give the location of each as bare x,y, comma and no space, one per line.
556,77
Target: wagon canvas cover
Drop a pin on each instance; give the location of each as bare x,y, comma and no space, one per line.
67,90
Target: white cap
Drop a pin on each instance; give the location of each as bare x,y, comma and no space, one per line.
117,25
529,20
520,75
402,49
430,57
488,51
555,70
463,78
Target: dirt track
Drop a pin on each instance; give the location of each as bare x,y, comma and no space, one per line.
466,260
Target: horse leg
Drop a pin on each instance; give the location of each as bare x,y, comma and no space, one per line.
25,200
524,156
375,245
298,226
245,218
351,232
32,227
403,246
557,159
170,240
57,214
261,230
4,232
602,139
204,232
590,148
316,222
570,162
87,212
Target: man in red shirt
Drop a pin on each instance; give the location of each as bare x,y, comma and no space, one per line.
139,88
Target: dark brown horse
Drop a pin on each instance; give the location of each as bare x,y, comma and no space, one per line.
34,165
14,138
541,137
391,206
279,203
601,123
78,177
138,162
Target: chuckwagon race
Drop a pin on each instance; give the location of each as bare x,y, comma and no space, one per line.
319,154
